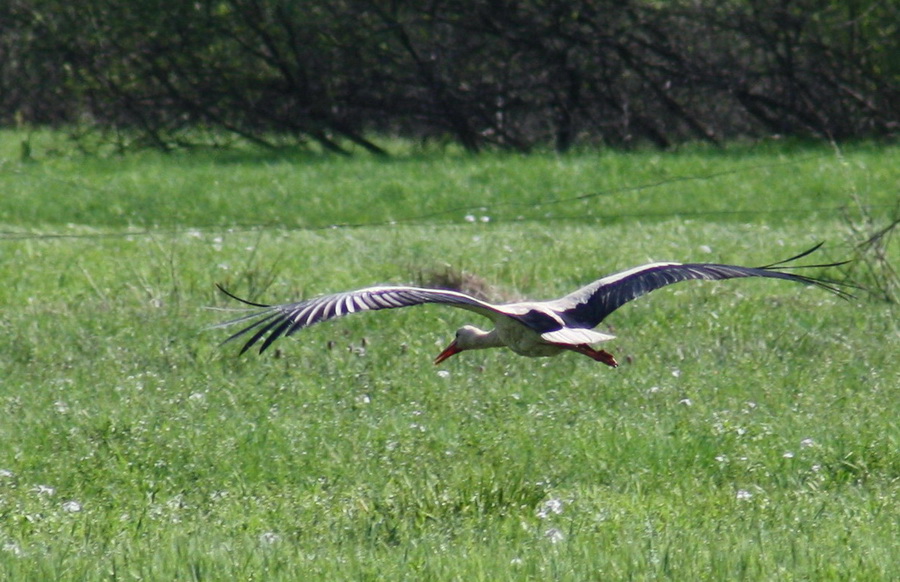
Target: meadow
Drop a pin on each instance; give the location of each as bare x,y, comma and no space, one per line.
750,433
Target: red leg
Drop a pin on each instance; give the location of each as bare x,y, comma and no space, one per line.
598,355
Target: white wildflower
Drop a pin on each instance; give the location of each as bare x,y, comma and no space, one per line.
551,506
554,535
269,538
45,490
12,548
218,495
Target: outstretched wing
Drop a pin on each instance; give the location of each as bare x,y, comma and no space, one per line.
275,321
591,304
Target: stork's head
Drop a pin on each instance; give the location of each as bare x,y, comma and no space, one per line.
468,337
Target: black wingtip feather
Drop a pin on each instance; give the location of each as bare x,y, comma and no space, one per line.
781,265
828,284
235,297
244,330
795,257
275,334
260,333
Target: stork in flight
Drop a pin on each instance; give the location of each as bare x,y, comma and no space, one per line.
529,328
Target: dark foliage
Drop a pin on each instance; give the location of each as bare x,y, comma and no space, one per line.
484,72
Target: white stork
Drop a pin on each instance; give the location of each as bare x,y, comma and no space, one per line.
529,328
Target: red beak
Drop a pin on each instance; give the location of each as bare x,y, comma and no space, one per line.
451,350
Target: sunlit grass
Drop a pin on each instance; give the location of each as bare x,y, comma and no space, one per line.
295,189
750,431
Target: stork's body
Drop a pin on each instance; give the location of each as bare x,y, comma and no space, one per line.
529,328
524,341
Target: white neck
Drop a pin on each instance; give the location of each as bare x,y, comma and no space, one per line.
472,338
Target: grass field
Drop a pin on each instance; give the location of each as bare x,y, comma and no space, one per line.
751,432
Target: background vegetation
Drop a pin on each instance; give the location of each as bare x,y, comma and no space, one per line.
486,72
749,434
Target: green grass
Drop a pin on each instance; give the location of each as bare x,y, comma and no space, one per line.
750,433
